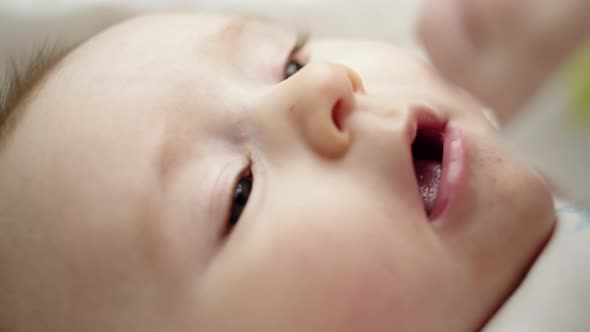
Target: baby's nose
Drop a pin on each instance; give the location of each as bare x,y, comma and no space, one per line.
326,97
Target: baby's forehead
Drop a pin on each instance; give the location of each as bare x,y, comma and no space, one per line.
168,41
162,31
200,23
195,28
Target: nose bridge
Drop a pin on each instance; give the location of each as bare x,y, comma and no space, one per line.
324,96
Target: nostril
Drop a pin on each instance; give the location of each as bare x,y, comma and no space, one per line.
337,115
356,81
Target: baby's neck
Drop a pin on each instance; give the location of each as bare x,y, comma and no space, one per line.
558,274
523,273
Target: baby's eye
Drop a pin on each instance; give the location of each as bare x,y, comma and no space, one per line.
292,66
240,197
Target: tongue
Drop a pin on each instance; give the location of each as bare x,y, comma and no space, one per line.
428,176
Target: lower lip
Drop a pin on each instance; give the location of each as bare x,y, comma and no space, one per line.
453,172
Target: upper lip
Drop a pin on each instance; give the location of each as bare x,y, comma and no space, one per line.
423,117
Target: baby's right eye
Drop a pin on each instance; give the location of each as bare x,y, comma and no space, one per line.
240,198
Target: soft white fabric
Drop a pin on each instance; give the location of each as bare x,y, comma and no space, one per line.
555,295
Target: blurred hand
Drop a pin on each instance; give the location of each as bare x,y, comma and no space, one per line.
501,51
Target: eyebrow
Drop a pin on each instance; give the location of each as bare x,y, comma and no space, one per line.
236,26
20,80
231,35
234,29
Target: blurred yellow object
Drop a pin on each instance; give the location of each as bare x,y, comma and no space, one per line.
578,82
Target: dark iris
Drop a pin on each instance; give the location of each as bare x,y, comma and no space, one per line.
241,195
292,68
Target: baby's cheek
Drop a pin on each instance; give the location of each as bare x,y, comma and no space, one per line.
311,278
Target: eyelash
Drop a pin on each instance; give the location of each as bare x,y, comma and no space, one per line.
243,187
292,64
241,195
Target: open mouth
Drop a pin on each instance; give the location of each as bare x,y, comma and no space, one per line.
427,157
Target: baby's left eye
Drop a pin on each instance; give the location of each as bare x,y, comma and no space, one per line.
293,66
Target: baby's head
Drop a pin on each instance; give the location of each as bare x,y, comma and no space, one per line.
190,172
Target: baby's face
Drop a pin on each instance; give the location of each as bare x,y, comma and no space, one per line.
169,178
